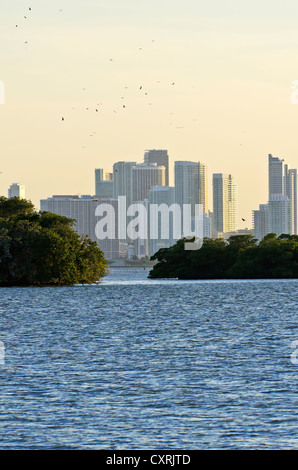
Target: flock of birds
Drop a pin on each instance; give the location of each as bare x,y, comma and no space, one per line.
99,105
123,105
96,109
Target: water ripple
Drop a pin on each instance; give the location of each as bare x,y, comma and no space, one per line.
134,363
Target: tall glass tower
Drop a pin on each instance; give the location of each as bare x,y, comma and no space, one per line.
225,203
161,158
191,184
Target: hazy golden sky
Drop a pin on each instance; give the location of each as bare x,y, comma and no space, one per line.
232,63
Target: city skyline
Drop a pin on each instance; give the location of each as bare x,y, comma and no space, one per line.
153,215
279,215
191,184
209,83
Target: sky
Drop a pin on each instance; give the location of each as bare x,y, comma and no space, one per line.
216,87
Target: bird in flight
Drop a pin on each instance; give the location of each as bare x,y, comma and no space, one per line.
243,219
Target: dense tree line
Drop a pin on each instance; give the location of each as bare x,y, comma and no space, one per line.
43,249
240,257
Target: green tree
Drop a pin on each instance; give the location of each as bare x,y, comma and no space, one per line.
43,248
238,258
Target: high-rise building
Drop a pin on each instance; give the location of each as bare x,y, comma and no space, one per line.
102,175
123,188
83,210
260,222
191,184
161,158
225,203
141,242
290,189
279,215
16,190
162,225
145,177
122,176
104,185
276,175
283,182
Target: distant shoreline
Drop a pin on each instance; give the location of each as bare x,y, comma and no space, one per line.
142,267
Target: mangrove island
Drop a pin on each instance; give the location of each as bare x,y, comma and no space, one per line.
43,249
240,257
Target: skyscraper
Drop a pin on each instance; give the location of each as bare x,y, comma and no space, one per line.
16,190
225,203
191,184
123,188
276,175
145,177
290,189
83,211
260,222
161,158
122,175
282,182
279,215
163,197
104,185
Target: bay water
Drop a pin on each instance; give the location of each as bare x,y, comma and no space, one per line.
134,363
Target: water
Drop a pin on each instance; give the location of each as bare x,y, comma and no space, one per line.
135,363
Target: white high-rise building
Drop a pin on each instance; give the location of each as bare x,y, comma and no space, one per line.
290,190
279,215
225,203
83,210
161,158
145,177
141,243
16,190
276,175
260,222
122,176
163,197
191,184
282,182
